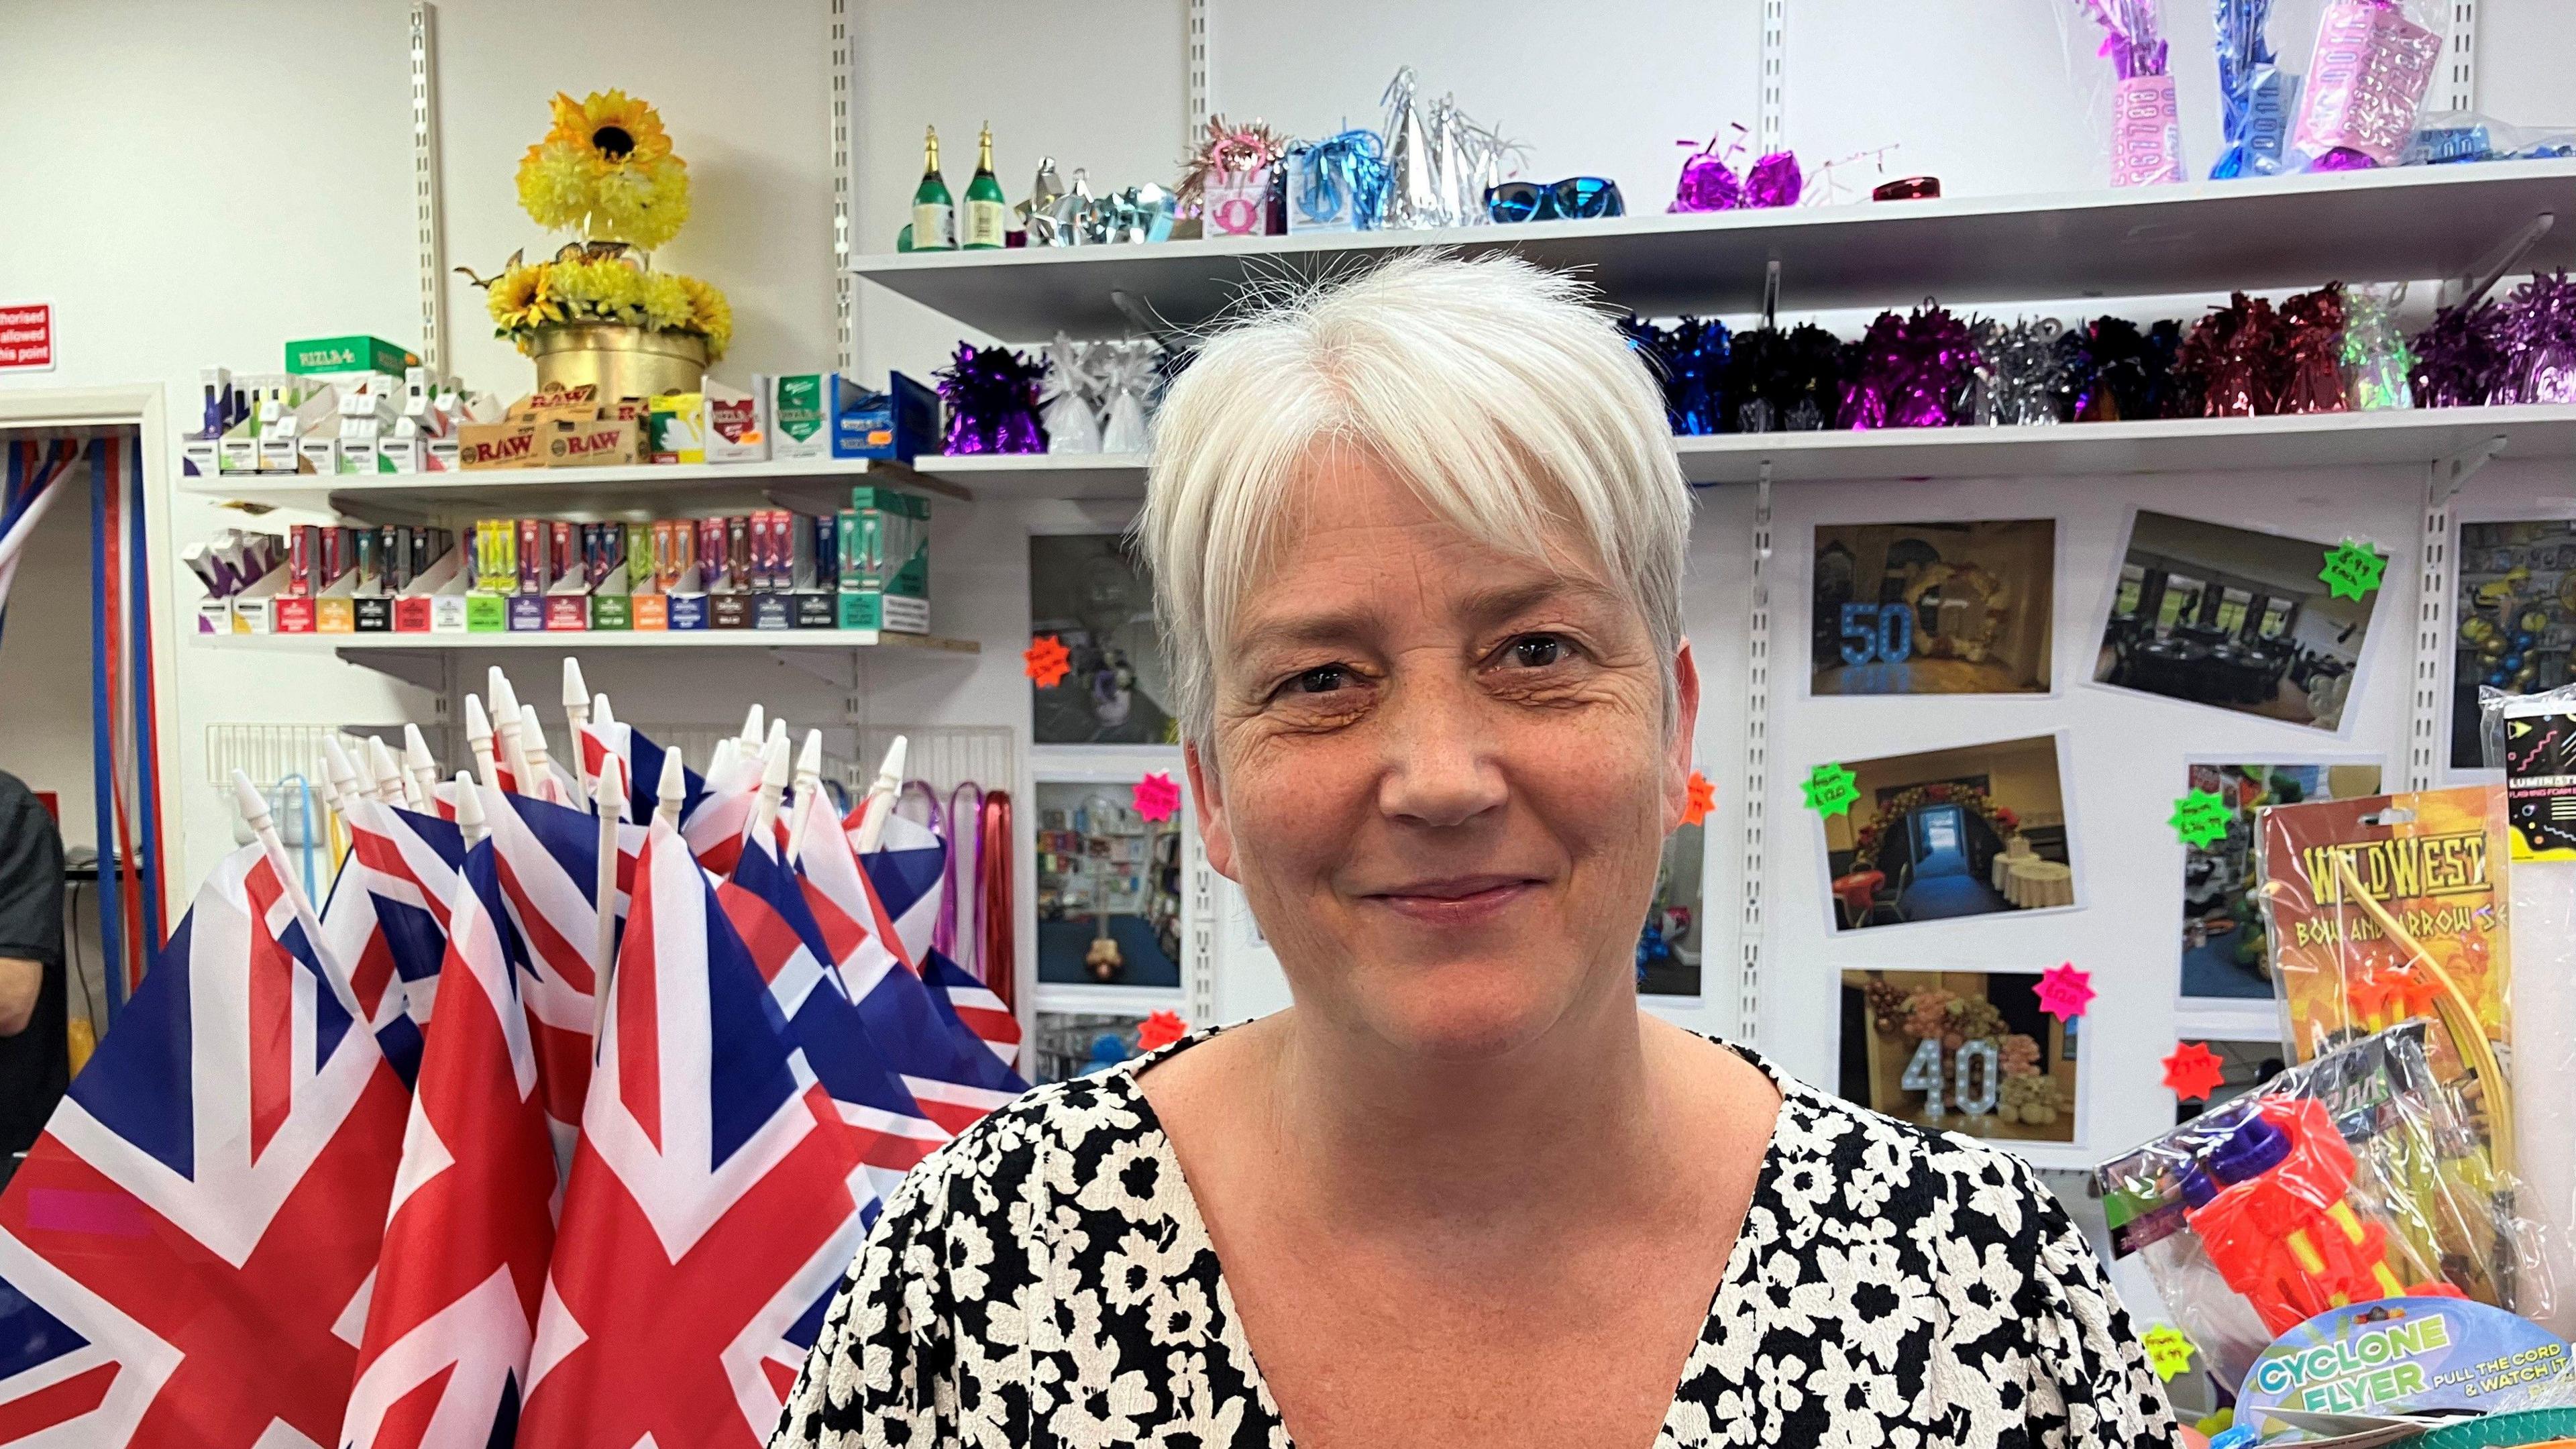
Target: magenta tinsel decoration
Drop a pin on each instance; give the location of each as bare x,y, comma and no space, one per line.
2538,332
1775,181
1707,184
992,396
2132,42
2459,359
2343,158
1911,372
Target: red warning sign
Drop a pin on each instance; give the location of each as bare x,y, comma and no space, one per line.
26,336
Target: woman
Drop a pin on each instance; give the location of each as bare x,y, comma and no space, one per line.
1418,544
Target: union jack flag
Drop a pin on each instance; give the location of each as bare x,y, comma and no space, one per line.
386,917
973,1005
714,1198
185,1257
547,858
641,760
905,872
716,822
444,1360
767,907
947,1068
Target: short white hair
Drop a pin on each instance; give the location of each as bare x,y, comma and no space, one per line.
1503,394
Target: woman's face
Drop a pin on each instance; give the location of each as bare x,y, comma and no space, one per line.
1441,773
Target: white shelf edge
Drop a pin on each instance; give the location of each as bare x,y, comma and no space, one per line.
398,486
378,642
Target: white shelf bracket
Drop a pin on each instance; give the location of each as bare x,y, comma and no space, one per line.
845,287
1771,130
2427,746
2506,259
1198,933
1756,782
428,228
1199,103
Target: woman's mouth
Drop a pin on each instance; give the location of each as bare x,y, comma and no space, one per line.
1455,900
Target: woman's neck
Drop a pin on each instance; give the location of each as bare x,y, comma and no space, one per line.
1564,1125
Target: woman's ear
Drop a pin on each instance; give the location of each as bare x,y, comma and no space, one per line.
1214,832
1678,750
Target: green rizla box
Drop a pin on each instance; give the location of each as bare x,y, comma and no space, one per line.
348,354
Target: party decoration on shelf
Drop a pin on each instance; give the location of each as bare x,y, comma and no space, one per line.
1784,381
1412,180
1915,371
1157,798
2201,818
1074,217
1908,188
597,311
2193,1071
1830,790
2459,357
2122,373
2311,362
1046,661
2376,358
1226,180
2027,374
992,396
2231,362
1159,1030
2169,1351
2365,83
1472,161
1690,359
2352,570
1703,798
1709,181
2146,125
1037,214
2064,992
1066,412
1338,183
1127,373
2254,96
2538,327
1775,180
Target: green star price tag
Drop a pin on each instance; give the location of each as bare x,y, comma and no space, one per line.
1831,789
2352,570
2201,819
2168,1351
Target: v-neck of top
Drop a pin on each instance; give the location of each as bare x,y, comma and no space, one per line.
1731,1284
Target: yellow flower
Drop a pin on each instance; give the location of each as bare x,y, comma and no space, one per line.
666,302
709,313
604,291
521,300
558,183
611,126
641,204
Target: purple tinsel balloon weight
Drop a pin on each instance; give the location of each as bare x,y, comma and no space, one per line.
1707,184
1911,372
1775,181
992,396
2459,357
2539,337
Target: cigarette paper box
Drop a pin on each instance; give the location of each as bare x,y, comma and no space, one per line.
800,414
599,443
737,422
678,423
510,443
356,353
894,424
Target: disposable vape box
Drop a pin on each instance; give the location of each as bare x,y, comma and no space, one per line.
773,611
533,540
738,553
335,614
374,614
651,612
317,453
567,612
611,611
359,455
713,549
487,613
737,422
891,613
729,611
293,615
817,609
200,457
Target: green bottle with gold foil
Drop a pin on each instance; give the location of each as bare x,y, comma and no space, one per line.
934,214
988,216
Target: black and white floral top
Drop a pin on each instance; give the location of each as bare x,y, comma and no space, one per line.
1046,1280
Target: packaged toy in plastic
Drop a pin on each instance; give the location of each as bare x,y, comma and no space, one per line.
2356,1177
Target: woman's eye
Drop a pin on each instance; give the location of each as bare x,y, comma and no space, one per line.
1537,651
1320,681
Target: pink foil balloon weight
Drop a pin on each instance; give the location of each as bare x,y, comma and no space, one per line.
1707,182
1775,181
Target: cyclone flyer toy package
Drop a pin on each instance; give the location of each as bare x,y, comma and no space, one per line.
2354,1178
2391,907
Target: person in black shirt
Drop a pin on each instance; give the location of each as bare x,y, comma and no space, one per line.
35,1050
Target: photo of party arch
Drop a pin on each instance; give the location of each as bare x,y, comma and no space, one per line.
1943,834
1933,608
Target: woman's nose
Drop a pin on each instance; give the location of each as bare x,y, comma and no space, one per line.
1440,767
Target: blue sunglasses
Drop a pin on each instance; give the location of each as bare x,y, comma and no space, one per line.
1576,198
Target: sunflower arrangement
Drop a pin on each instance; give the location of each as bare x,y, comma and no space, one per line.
605,172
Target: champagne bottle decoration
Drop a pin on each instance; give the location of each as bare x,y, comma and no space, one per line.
988,214
934,214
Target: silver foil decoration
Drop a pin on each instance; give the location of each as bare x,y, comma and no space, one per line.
1037,214
1412,183
1137,214
1072,425
2024,378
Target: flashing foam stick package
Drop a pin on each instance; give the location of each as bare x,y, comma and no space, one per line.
2532,738
2355,1177
2366,78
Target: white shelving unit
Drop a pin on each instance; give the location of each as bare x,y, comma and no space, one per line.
585,640
2383,226
2073,450
647,490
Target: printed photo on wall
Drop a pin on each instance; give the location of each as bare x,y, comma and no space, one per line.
1967,832
2235,619
1109,888
2516,619
1668,951
2223,955
2242,1066
1093,595
1960,1051
1933,608
1073,1044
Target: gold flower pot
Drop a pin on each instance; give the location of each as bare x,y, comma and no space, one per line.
624,361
